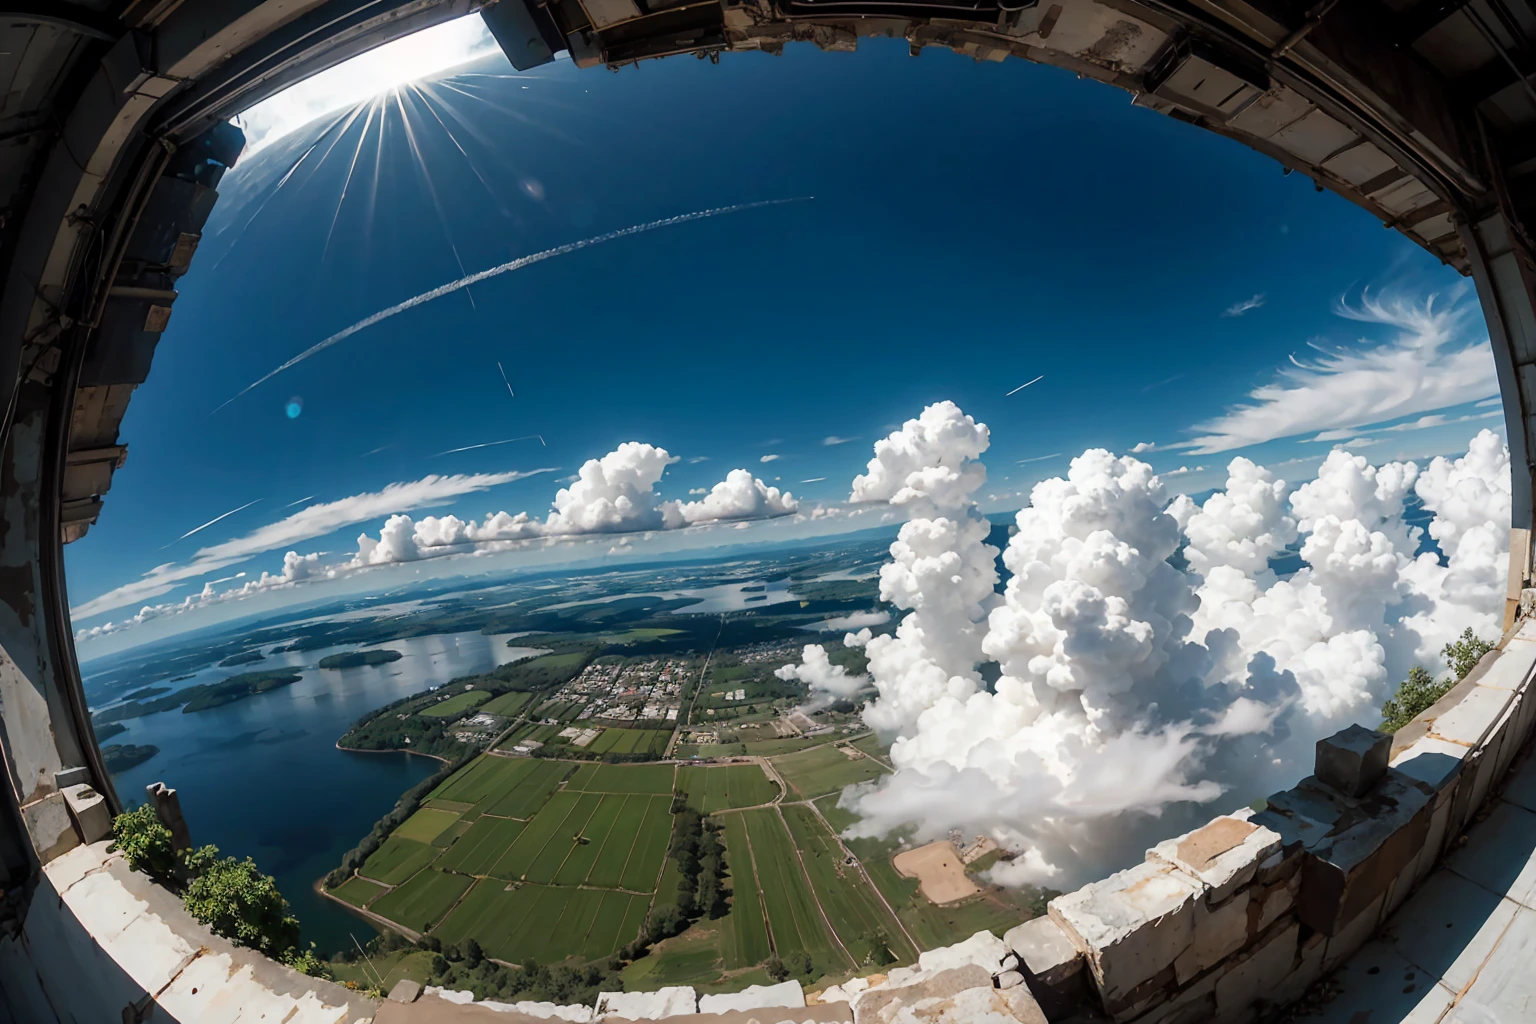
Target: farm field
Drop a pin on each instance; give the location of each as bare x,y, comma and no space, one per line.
613,840
528,788
793,918
357,891
420,902
930,925
459,702
857,913
426,824
397,859
508,704
477,851
544,922
616,778
824,770
724,788
487,775
871,744
744,938
631,741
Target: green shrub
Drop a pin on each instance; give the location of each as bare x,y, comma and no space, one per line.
1419,691
240,903
145,842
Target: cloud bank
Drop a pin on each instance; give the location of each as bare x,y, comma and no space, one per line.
1132,694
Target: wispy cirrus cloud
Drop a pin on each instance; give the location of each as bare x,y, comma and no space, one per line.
1247,305
1434,362
832,439
1422,423
306,524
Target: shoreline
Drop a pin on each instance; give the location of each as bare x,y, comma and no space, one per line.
391,750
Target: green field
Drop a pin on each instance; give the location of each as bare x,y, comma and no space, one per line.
508,704
744,941
426,824
612,840
824,770
477,850
422,901
485,776
620,778
357,891
397,859
529,731
528,788
631,741
719,789
446,837
456,704
872,744
759,748
547,923
931,925
856,912
793,918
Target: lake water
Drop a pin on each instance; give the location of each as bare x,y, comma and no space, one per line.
262,777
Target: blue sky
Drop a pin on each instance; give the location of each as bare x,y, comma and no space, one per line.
973,226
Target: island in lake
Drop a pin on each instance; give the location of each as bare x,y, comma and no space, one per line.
200,697
106,731
357,659
242,659
147,692
119,757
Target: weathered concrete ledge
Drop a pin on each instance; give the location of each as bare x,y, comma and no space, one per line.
1231,922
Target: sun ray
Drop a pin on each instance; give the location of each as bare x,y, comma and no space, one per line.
426,101
344,116
426,175
373,107
483,101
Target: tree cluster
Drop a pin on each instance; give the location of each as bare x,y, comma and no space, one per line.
230,896
1419,692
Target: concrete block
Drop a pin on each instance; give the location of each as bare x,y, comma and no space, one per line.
870,1004
1132,926
1048,954
844,993
983,949
1224,854
755,997
1371,843
1008,979
1353,933
1306,968
66,777
89,809
1432,761
1267,904
670,1001
1011,962
1467,722
405,991
1302,816
1353,760
1250,980
967,1006
1218,934
1434,840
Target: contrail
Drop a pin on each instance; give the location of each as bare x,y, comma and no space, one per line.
505,381
226,579
1040,458
492,444
299,502
210,522
1021,387
517,264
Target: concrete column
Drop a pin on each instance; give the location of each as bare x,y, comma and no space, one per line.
1505,274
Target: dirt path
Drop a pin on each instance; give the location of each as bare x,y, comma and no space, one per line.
811,888
869,880
757,880
684,718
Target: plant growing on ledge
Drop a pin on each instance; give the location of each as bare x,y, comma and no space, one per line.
1419,691
230,896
